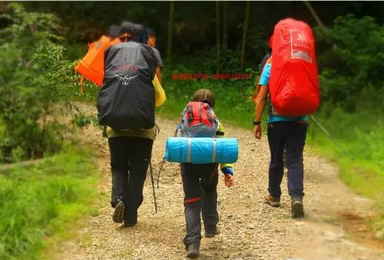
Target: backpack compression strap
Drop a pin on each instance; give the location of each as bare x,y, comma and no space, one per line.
190,148
81,85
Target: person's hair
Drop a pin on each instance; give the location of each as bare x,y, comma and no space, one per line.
150,33
204,95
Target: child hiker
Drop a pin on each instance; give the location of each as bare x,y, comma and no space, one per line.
200,180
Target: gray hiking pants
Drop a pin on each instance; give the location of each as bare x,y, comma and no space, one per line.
200,196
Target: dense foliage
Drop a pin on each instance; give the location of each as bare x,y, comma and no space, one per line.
34,76
353,87
36,79
352,64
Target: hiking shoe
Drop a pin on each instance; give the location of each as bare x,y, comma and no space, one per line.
273,201
212,232
130,224
118,214
297,208
193,251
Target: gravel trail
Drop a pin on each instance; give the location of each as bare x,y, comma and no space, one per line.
333,229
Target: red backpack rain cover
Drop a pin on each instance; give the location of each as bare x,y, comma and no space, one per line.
294,85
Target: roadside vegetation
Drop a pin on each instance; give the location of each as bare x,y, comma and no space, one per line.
38,119
47,182
43,200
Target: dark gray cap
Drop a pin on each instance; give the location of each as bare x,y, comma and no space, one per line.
136,30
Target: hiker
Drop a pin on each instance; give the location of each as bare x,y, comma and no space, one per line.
287,133
151,41
200,180
130,145
291,82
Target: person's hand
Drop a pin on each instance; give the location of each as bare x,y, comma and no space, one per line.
228,173
229,180
257,131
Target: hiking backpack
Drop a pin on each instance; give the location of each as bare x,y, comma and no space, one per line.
91,65
198,120
293,85
127,98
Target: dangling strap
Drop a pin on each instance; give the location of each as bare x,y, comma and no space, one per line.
81,85
189,150
214,151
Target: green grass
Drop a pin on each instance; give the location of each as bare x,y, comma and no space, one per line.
43,201
359,173
365,176
361,136
361,164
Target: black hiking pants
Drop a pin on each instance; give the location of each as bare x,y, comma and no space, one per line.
130,157
291,136
200,196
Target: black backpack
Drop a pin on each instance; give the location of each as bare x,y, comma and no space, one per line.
127,98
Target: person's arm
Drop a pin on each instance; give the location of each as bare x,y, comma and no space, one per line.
261,100
158,74
257,90
159,64
226,168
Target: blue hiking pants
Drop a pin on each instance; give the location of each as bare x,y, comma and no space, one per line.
291,136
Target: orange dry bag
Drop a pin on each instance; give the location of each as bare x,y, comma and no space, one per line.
91,66
293,85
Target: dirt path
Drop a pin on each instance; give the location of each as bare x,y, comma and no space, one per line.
333,227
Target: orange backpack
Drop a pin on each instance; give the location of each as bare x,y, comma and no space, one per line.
91,66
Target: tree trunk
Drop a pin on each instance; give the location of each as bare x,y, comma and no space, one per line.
218,36
315,16
246,21
225,25
170,32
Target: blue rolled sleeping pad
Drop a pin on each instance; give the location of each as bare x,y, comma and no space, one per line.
201,150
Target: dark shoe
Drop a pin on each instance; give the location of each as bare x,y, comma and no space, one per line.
193,251
297,208
130,224
273,201
212,232
118,214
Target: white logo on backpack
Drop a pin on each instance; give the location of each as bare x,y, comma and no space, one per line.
126,79
300,45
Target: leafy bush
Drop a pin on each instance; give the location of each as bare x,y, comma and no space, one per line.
353,88
34,76
351,61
